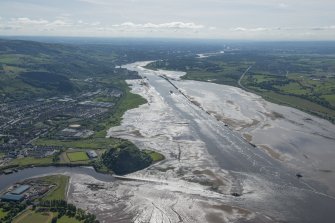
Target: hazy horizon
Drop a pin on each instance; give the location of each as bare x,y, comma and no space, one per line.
274,20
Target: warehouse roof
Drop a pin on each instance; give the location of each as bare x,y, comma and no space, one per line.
11,197
20,189
92,154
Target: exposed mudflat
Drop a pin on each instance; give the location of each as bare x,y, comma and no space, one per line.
207,162
301,140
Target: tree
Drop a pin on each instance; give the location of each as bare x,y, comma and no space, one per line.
126,158
54,220
6,139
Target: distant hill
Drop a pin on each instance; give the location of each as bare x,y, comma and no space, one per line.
49,81
32,69
30,47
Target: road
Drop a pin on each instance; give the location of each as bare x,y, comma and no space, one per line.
242,76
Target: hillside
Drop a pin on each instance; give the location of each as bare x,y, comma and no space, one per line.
126,158
31,69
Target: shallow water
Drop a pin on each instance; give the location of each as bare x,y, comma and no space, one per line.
303,142
7,180
269,185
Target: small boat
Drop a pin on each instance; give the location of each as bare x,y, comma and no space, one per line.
298,175
236,194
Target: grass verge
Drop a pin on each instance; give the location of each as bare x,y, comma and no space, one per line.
61,182
155,156
26,161
66,219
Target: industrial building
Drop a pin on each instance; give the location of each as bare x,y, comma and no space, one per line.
20,189
16,194
92,154
11,197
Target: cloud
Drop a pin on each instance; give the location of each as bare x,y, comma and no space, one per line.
79,26
24,22
96,2
170,25
27,21
75,26
283,5
323,28
266,29
258,29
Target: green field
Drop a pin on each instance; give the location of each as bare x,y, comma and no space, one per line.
77,156
315,96
128,101
2,213
59,193
33,217
94,143
155,156
30,216
299,103
330,99
26,161
66,219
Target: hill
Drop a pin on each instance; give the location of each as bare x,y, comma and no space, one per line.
126,158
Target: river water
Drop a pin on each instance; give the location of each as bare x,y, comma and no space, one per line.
8,180
206,161
276,191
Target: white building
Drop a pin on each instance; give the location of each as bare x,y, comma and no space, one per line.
92,154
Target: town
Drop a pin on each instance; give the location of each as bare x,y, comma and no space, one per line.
60,118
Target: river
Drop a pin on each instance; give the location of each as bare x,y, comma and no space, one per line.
8,180
273,186
206,160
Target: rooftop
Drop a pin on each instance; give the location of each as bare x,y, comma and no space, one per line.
20,189
92,154
11,197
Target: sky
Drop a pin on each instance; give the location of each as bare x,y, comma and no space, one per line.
209,19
